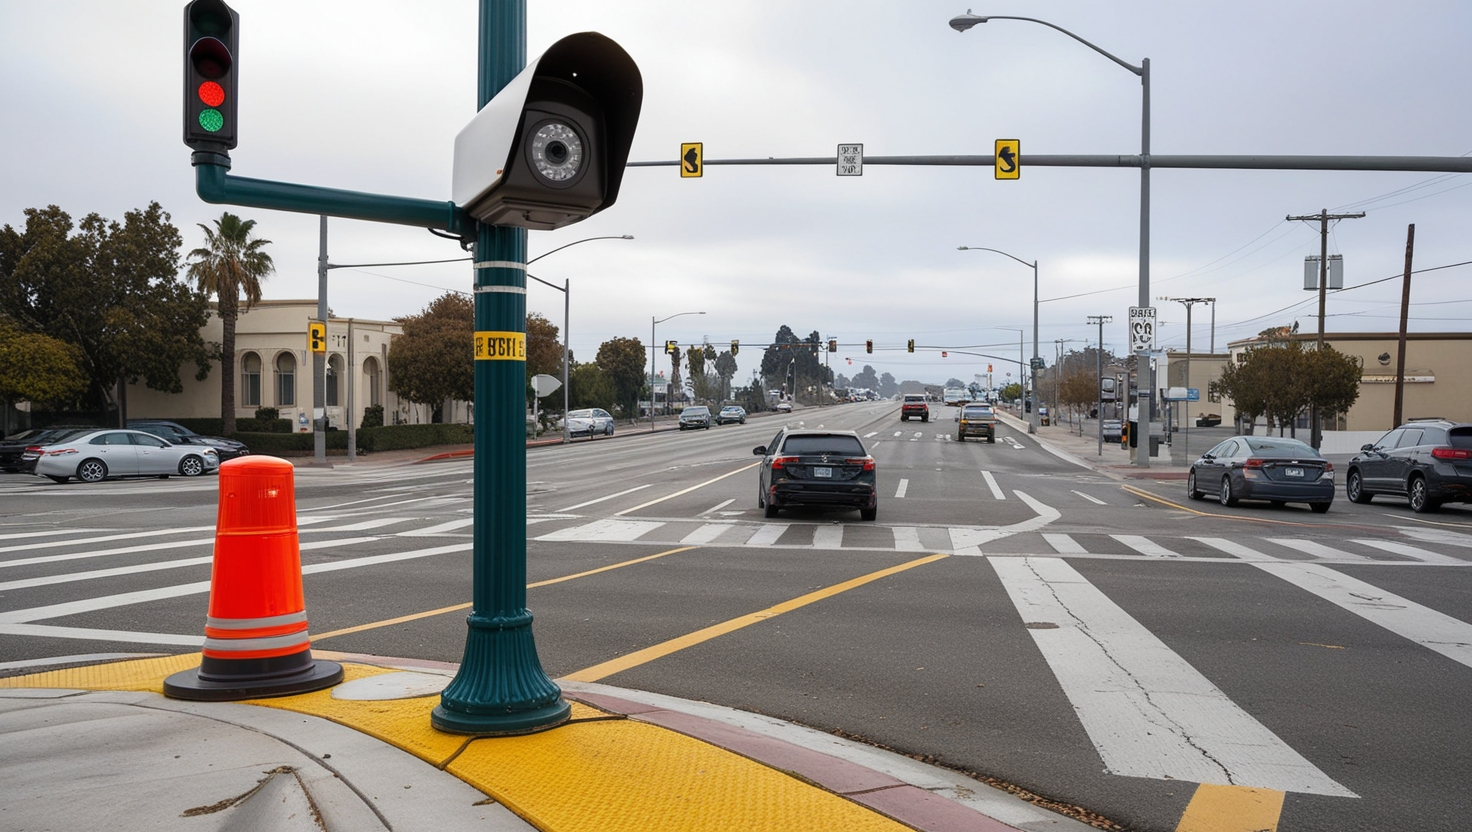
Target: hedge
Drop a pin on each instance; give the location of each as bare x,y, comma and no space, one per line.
386,438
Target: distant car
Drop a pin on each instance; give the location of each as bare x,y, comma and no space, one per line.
1277,469
697,416
914,407
590,422
731,413
1113,430
976,420
176,433
1427,461
820,468
99,454
784,407
13,448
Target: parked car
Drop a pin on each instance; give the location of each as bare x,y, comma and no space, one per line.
914,407
1113,430
784,407
1272,468
696,416
98,454
976,420
13,447
1427,461
590,422
823,468
226,449
731,413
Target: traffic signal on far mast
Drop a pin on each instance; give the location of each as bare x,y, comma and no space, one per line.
911,346
869,345
833,345
735,347
672,347
211,39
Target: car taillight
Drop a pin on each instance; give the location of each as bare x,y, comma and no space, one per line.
57,451
1451,453
781,462
866,461
1254,462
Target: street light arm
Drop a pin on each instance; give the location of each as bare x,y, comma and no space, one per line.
1032,265
676,315
963,22
584,240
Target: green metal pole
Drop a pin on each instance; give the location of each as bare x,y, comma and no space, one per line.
500,687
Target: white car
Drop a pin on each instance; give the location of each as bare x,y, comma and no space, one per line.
97,455
784,407
589,422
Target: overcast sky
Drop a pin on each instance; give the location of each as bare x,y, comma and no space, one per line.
369,96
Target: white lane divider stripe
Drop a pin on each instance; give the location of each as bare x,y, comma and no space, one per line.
1091,498
717,507
1148,712
899,493
609,497
991,482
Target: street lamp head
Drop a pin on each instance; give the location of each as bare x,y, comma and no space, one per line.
965,21
626,236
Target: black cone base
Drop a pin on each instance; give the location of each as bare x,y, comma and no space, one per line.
229,680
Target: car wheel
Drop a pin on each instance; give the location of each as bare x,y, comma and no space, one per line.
991,439
868,513
771,510
92,470
904,418
1354,488
54,478
608,431
1191,490
1319,508
925,419
1420,497
1226,497
960,437
191,466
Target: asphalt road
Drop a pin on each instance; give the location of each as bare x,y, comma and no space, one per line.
1107,644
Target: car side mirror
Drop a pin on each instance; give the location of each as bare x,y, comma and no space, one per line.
1367,447
760,450
1207,457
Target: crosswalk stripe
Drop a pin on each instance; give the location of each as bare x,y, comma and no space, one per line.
1233,548
767,534
828,537
705,534
1315,549
907,539
56,544
361,526
1145,546
1412,552
610,529
1148,712
1064,545
1436,536
442,528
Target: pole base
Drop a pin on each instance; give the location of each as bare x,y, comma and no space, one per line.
222,680
500,689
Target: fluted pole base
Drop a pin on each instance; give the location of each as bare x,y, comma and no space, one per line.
501,688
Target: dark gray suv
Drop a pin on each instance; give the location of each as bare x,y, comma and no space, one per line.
1427,461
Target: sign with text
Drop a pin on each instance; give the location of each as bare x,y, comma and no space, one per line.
850,160
1142,328
500,346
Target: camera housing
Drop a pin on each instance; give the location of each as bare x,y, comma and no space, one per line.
550,148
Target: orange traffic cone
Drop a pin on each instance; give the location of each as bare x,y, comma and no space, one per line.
256,642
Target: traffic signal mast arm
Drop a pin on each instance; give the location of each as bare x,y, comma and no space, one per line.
1431,164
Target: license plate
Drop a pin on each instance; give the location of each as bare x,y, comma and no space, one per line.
1293,472
821,472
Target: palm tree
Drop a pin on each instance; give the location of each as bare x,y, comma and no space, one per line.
228,265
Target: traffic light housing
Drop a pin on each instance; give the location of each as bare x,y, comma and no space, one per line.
672,347
833,345
211,41
317,336
550,148
869,345
735,348
911,346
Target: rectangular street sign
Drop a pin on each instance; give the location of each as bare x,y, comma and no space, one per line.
851,160
1142,328
1193,394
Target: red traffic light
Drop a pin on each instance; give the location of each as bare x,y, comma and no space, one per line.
212,94
211,38
943,353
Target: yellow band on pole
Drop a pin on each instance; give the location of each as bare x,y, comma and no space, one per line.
500,346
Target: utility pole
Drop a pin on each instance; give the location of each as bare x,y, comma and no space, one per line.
1101,320
1323,217
1405,308
1186,422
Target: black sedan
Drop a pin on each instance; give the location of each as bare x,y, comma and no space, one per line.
13,447
176,433
817,468
1276,469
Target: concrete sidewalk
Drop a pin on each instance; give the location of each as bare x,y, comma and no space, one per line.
98,745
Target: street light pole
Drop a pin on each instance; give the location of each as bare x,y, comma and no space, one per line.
654,352
1186,422
1032,423
1146,373
1101,320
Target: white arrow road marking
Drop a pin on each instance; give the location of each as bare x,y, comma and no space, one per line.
1148,712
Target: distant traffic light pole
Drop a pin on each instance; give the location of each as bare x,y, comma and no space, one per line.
653,354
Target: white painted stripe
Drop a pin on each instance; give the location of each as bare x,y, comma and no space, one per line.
125,550
907,539
1416,552
1436,536
1145,546
917,435
970,541
609,497
898,433
1233,548
871,434
1148,712
87,634
610,529
991,482
104,539
705,534
1427,627
685,491
766,534
899,493
361,526
88,658
47,533
828,537
1091,498
1064,545
442,528
718,506
1315,549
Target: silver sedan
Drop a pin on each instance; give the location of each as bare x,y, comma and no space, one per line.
97,455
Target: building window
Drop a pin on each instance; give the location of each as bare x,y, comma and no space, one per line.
375,386
334,379
250,380
286,380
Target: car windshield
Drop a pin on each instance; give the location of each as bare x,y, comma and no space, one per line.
1280,448
730,410
823,444
696,411
914,397
975,412
580,414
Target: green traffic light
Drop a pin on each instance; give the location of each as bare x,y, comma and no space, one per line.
211,120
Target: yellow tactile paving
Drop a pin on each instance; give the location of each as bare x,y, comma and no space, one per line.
138,674
1232,809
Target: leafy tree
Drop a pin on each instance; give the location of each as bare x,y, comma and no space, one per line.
229,264
725,371
543,356
434,359
1011,391
887,385
788,356
38,368
111,290
590,388
695,361
622,363
1334,380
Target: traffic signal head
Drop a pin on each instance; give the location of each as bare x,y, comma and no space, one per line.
833,345
911,346
550,148
672,347
869,345
735,347
211,38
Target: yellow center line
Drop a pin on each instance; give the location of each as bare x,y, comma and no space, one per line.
687,490
649,654
442,610
1232,809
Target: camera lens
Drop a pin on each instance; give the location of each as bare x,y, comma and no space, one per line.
556,152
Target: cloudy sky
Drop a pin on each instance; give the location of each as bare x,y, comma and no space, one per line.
369,96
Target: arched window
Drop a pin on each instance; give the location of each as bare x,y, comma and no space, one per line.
285,380
250,380
334,380
375,381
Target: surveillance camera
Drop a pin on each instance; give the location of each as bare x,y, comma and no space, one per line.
550,148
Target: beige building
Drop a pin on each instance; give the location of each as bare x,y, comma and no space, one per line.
274,369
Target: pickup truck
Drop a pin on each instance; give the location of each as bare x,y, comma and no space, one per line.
976,420
914,406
